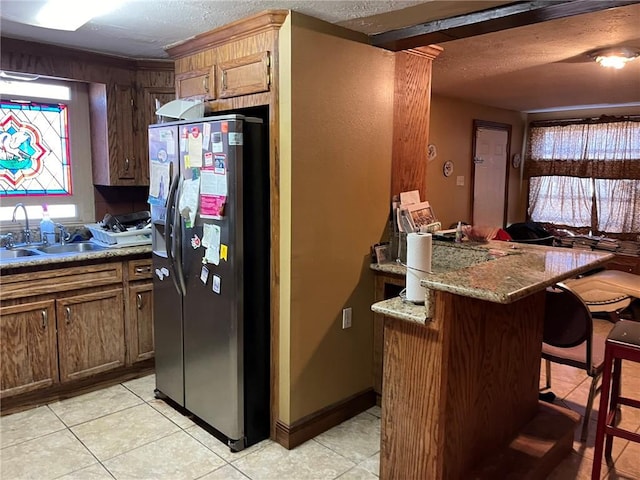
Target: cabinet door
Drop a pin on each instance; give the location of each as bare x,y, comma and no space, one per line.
147,116
90,333
140,322
29,355
245,75
121,139
196,84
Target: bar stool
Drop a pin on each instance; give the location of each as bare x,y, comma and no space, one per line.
623,343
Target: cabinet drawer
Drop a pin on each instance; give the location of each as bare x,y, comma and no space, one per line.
199,83
60,280
139,269
245,75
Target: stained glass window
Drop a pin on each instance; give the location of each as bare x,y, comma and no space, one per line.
34,149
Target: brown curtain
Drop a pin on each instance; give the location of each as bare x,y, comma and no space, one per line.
586,150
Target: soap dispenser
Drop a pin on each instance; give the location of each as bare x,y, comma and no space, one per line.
47,227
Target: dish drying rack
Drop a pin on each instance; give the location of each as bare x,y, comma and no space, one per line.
131,238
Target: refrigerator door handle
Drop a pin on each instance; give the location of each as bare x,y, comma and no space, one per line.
169,232
177,244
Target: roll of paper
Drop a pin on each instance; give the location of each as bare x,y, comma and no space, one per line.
419,246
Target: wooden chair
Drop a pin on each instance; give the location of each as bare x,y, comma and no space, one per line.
569,339
623,343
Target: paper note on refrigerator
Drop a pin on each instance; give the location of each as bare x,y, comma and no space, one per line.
195,147
159,178
211,240
188,204
213,190
214,181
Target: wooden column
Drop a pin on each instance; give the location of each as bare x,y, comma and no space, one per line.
412,99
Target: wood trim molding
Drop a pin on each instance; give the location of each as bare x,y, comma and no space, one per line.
430,51
159,65
267,20
290,436
512,15
25,49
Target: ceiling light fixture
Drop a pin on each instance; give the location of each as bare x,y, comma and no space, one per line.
615,57
72,14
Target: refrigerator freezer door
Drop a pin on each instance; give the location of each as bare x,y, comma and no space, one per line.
167,314
164,168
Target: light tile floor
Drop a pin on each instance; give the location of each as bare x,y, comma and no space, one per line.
122,432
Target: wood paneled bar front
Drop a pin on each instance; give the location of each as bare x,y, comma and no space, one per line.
461,373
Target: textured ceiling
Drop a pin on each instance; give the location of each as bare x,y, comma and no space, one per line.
535,67
142,28
545,65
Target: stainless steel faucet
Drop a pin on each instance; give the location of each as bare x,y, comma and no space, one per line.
26,233
64,235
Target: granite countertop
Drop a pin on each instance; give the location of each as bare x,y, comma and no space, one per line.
47,261
500,272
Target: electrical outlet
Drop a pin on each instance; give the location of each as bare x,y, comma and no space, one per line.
346,318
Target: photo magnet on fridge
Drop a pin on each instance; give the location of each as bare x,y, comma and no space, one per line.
216,284
204,274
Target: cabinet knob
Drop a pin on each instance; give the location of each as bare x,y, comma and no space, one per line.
67,315
139,301
44,319
224,79
126,164
143,269
205,83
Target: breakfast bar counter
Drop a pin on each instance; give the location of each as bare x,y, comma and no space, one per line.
461,372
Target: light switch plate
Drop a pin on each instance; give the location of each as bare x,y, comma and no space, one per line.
460,181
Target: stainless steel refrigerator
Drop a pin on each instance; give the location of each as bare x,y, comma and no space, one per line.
209,198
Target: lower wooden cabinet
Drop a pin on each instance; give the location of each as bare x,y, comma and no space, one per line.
90,333
29,348
140,322
61,325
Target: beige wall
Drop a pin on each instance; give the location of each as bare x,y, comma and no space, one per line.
451,131
336,111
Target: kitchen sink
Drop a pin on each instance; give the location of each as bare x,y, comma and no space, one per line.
71,248
8,254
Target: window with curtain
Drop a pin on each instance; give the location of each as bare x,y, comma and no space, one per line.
585,174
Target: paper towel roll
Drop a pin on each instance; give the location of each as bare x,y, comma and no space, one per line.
419,247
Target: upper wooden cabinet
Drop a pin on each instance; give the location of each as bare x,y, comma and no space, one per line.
232,66
120,114
198,84
245,75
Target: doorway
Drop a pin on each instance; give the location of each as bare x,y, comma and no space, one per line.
490,171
